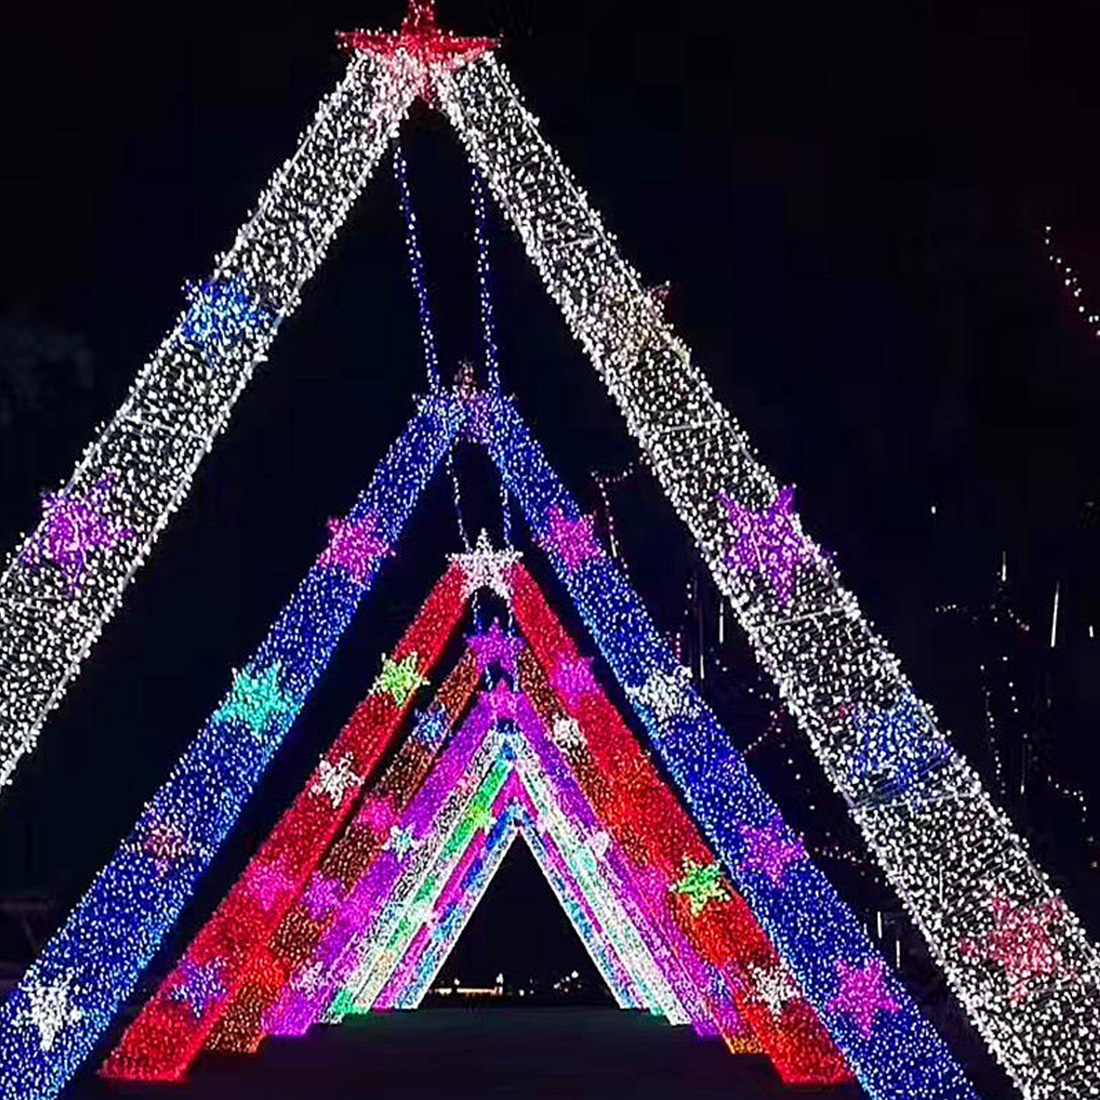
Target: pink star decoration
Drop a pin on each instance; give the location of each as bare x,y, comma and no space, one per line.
495,647
354,547
769,542
1021,942
72,527
421,50
862,994
379,814
268,884
573,539
503,701
573,680
321,896
166,844
771,849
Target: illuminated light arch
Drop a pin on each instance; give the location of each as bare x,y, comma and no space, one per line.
836,675
125,915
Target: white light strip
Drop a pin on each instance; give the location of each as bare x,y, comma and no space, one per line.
1010,948
66,578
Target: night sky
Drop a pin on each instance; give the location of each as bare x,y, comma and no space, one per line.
848,201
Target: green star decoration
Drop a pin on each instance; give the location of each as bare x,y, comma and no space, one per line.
701,884
258,701
481,817
399,679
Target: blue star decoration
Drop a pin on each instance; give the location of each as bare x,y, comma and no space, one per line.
222,315
898,748
200,985
257,700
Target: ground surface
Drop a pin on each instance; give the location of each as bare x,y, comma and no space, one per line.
518,1053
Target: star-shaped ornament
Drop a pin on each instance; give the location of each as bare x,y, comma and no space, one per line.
503,701
862,994
165,842
321,896
567,732
268,884
495,647
572,679
49,1008
484,567
256,699
335,780
223,313
401,841
770,543
421,51
1022,942
354,547
701,884
72,527
771,850
667,695
573,540
774,987
482,819
200,985
399,679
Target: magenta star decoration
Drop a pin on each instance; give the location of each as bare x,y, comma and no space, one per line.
770,542
573,680
771,850
573,539
165,842
495,647
862,994
379,814
503,701
200,985
71,528
268,885
1021,941
321,896
354,547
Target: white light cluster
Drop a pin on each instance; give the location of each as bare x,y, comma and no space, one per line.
953,858
62,583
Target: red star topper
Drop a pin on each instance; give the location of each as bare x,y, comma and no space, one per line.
420,46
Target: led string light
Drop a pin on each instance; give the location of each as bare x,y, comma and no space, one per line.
902,1056
94,959
655,834
65,580
949,854
287,948
1071,281
163,1040
430,817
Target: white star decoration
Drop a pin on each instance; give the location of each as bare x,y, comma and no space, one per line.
666,695
50,1009
567,732
484,567
775,987
335,780
401,841
599,843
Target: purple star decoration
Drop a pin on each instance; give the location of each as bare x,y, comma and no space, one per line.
771,850
862,994
573,680
321,896
770,542
354,547
200,985
573,539
495,647
73,526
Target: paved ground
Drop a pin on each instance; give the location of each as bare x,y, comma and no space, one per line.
463,1054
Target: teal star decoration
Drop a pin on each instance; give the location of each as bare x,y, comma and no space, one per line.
702,883
398,679
256,700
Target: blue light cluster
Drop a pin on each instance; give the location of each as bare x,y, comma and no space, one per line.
70,994
901,1057
222,315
